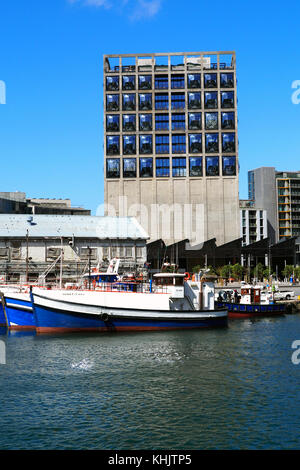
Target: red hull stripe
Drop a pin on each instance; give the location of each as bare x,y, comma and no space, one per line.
21,327
251,315
113,329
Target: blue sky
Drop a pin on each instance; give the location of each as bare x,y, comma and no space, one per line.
51,142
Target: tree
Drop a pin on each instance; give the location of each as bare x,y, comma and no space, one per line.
237,271
266,273
197,268
226,271
259,271
288,271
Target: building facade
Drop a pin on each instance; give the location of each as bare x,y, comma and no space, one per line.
288,204
262,190
254,224
17,203
171,144
39,247
278,193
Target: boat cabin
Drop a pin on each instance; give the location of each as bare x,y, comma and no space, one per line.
168,279
169,283
250,295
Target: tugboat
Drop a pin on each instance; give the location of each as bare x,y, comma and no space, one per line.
252,302
167,301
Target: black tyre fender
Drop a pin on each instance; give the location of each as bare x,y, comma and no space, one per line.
289,308
104,317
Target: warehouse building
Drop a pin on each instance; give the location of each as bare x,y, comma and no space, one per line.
34,248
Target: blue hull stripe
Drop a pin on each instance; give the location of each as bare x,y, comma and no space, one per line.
58,319
17,315
2,316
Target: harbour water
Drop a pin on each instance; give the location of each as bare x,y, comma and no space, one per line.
233,388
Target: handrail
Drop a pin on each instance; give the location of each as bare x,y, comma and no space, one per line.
42,276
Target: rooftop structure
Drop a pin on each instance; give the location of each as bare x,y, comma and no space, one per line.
17,203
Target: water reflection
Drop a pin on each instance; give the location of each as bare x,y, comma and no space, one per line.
231,388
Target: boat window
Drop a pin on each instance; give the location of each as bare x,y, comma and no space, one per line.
163,281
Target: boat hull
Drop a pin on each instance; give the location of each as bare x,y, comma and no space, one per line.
63,316
19,312
2,316
236,310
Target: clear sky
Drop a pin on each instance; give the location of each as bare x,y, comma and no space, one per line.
51,131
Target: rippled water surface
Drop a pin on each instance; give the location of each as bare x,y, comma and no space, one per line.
234,388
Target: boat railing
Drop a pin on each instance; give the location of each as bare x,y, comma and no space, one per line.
139,287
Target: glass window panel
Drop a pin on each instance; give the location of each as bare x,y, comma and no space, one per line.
161,122
113,145
211,143
112,123
228,142
178,143
129,122
194,100
212,166
211,120
145,144
227,99
178,167
145,82
210,80
161,101
228,120
162,144
227,80
129,145
128,82
194,80
177,81
145,101
195,143
210,100
161,82
178,122
177,100
129,167
128,101
112,102
162,167
112,83
229,166
113,168
145,121
146,167
196,166
195,121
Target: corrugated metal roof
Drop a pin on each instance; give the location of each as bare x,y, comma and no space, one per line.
16,225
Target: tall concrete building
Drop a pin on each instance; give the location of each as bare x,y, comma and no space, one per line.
171,144
288,204
278,193
262,190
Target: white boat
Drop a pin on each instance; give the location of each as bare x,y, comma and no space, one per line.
168,301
